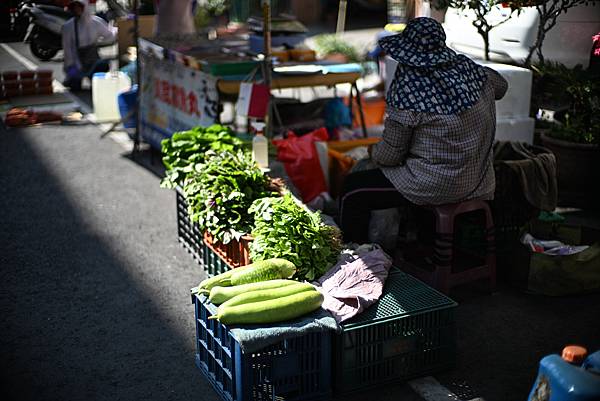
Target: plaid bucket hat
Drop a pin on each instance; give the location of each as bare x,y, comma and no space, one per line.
431,77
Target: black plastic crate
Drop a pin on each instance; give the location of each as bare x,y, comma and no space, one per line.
409,332
297,369
191,238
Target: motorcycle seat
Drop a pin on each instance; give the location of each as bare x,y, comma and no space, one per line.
53,10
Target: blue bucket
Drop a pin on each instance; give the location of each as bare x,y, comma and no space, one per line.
127,101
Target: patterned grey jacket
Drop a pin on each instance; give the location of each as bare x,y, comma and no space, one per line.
435,159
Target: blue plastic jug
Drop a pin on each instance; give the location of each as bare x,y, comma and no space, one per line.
566,378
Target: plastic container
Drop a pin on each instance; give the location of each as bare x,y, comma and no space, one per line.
260,146
566,378
304,55
409,332
44,90
127,101
28,91
44,82
234,254
24,75
291,370
44,74
12,85
219,67
105,88
8,92
10,75
28,83
189,233
213,258
281,55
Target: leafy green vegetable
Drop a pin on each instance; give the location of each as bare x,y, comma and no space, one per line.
185,149
327,44
284,228
220,190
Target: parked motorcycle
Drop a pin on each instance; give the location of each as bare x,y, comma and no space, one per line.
45,28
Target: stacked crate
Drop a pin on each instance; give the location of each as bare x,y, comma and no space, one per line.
409,332
26,83
295,369
215,258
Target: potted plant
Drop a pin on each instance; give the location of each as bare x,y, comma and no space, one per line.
574,138
334,48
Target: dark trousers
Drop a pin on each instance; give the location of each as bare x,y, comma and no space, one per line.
363,192
74,82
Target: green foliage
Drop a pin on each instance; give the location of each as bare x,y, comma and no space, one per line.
481,9
284,228
220,190
185,149
208,10
332,44
202,18
579,90
217,7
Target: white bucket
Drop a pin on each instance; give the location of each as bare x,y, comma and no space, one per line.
106,86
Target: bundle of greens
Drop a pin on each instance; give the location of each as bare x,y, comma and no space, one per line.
220,190
328,44
185,149
284,228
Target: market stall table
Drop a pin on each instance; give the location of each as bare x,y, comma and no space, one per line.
228,87
329,78
183,88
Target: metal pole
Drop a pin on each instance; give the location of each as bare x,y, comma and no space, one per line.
341,20
136,37
266,6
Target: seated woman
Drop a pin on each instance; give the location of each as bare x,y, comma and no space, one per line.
438,135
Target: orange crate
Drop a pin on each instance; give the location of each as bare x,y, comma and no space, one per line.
340,164
373,110
235,253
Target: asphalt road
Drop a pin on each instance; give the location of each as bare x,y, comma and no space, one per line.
94,286
94,291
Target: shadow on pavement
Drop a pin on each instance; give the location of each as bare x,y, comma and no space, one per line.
148,158
503,336
77,323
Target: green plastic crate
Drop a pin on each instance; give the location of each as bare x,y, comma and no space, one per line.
220,68
409,332
190,237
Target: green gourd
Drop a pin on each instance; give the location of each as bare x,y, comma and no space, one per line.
270,269
218,280
263,270
265,295
218,295
271,311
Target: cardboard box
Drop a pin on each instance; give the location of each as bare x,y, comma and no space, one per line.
125,35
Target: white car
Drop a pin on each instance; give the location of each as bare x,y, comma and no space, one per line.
568,42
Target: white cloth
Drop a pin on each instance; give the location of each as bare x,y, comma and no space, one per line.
355,282
92,30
